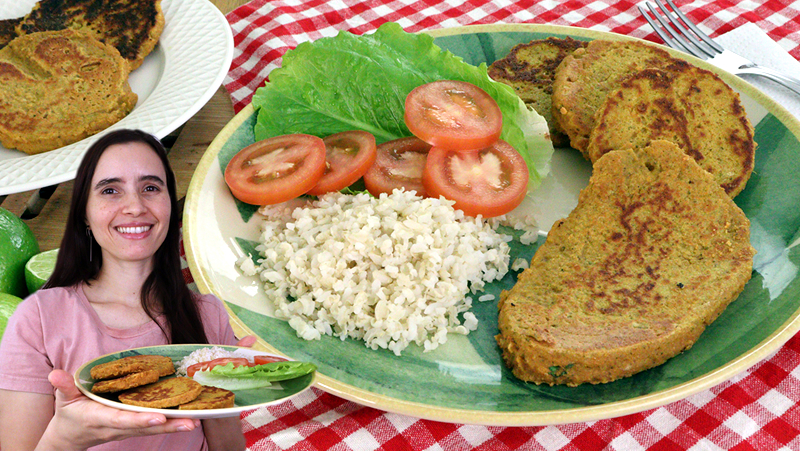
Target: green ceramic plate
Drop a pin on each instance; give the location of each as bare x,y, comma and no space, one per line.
245,399
465,379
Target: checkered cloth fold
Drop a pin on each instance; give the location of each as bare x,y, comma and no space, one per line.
755,410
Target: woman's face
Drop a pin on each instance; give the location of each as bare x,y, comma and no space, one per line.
128,209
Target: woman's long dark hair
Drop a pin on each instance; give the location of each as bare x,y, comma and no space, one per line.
164,290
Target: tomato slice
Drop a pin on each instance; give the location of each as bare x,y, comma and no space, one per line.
453,115
488,182
202,366
264,359
348,155
399,164
277,169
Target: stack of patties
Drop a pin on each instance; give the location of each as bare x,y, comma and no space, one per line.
654,251
137,381
624,94
530,69
129,372
64,69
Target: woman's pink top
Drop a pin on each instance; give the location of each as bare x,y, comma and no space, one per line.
58,328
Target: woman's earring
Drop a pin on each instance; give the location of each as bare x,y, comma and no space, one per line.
91,243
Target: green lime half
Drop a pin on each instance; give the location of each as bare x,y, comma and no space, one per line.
8,303
39,268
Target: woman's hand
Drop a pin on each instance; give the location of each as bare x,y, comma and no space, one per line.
79,422
247,341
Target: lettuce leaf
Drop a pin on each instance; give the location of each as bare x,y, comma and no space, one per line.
248,377
229,383
273,371
350,82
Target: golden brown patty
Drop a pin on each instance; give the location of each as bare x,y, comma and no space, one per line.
164,393
160,363
125,382
133,27
211,398
653,253
58,87
585,77
115,368
689,106
530,69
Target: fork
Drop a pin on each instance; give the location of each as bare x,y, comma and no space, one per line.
678,37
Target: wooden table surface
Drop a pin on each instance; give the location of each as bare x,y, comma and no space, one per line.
190,144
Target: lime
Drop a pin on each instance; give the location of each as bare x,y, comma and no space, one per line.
8,303
17,245
39,268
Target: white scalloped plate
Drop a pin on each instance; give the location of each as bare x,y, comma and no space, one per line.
181,74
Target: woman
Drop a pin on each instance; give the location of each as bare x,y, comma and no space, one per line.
117,285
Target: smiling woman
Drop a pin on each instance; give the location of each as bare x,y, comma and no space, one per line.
117,285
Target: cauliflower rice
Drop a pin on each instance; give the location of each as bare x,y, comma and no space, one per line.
391,271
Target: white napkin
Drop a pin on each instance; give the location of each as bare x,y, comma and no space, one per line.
753,43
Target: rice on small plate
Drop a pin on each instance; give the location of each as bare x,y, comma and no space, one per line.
391,271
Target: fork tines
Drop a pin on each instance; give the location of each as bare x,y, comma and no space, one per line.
674,32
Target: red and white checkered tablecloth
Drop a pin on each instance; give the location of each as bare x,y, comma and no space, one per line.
757,410
264,30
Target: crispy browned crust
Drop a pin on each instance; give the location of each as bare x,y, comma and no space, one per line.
530,70
211,398
687,105
586,76
58,87
125,382
653,253
165,393
133,27
8,30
